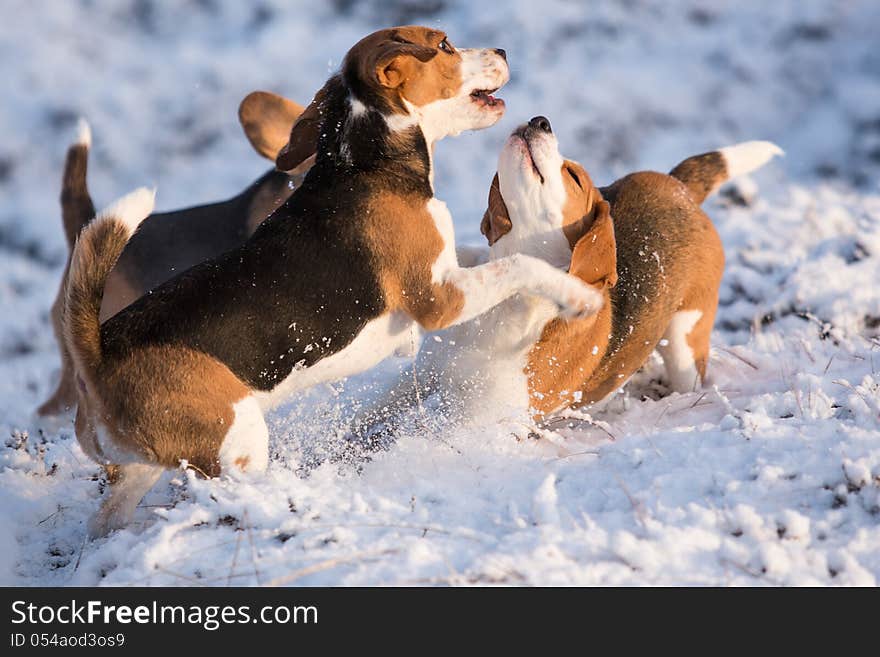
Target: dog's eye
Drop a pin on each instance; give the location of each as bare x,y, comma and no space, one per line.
577,181
446,47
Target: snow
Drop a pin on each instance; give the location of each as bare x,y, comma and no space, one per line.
769,476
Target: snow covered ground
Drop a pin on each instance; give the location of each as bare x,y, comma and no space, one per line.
770,476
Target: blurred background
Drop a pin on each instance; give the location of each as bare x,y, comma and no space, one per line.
626,84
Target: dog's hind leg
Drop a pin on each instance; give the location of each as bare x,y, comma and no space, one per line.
128,485
64,397
685,347
687,339
679,356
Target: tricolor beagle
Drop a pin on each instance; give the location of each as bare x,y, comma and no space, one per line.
642,242
168,243
357,258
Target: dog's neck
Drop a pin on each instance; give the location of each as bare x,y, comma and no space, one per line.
357,137
534,235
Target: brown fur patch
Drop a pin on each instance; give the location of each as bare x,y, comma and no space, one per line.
403,238
569,350
77,208
581,196
64,396
267,120
701,174
85,288
163,405
404,63
594,257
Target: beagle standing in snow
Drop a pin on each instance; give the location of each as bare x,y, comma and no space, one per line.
642,242
339,277
168,243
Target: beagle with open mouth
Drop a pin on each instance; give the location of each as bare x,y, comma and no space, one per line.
642,242
168,243
338,277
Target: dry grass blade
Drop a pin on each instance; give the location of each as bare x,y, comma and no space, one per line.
327,565
738,357
234,556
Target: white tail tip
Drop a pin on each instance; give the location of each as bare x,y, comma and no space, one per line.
83,133
750,155
132,208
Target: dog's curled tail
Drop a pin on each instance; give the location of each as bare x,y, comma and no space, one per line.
703,174
77,208
95,252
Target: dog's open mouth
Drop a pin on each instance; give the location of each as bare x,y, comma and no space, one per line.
485,98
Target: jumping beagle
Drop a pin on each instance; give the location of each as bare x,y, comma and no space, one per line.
168,243
643,242
341,274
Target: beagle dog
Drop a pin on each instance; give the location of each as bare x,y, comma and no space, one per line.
338,277
170,242
642,242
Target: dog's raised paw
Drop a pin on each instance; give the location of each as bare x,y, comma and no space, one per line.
579,300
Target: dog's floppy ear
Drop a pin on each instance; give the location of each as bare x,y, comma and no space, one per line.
267,119
303,141
396,61
496,220
594,258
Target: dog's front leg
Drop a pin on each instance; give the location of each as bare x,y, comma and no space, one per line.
466,293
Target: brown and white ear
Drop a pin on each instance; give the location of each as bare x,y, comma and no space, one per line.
297,154
396,62
576,229
496,221
267,119
594,258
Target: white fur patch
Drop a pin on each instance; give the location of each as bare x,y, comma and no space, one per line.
357,107
131,209
448,259
678,357
83,133
246,445
401,122
744,158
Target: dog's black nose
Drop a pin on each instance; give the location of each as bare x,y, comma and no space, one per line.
502,52
541,123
